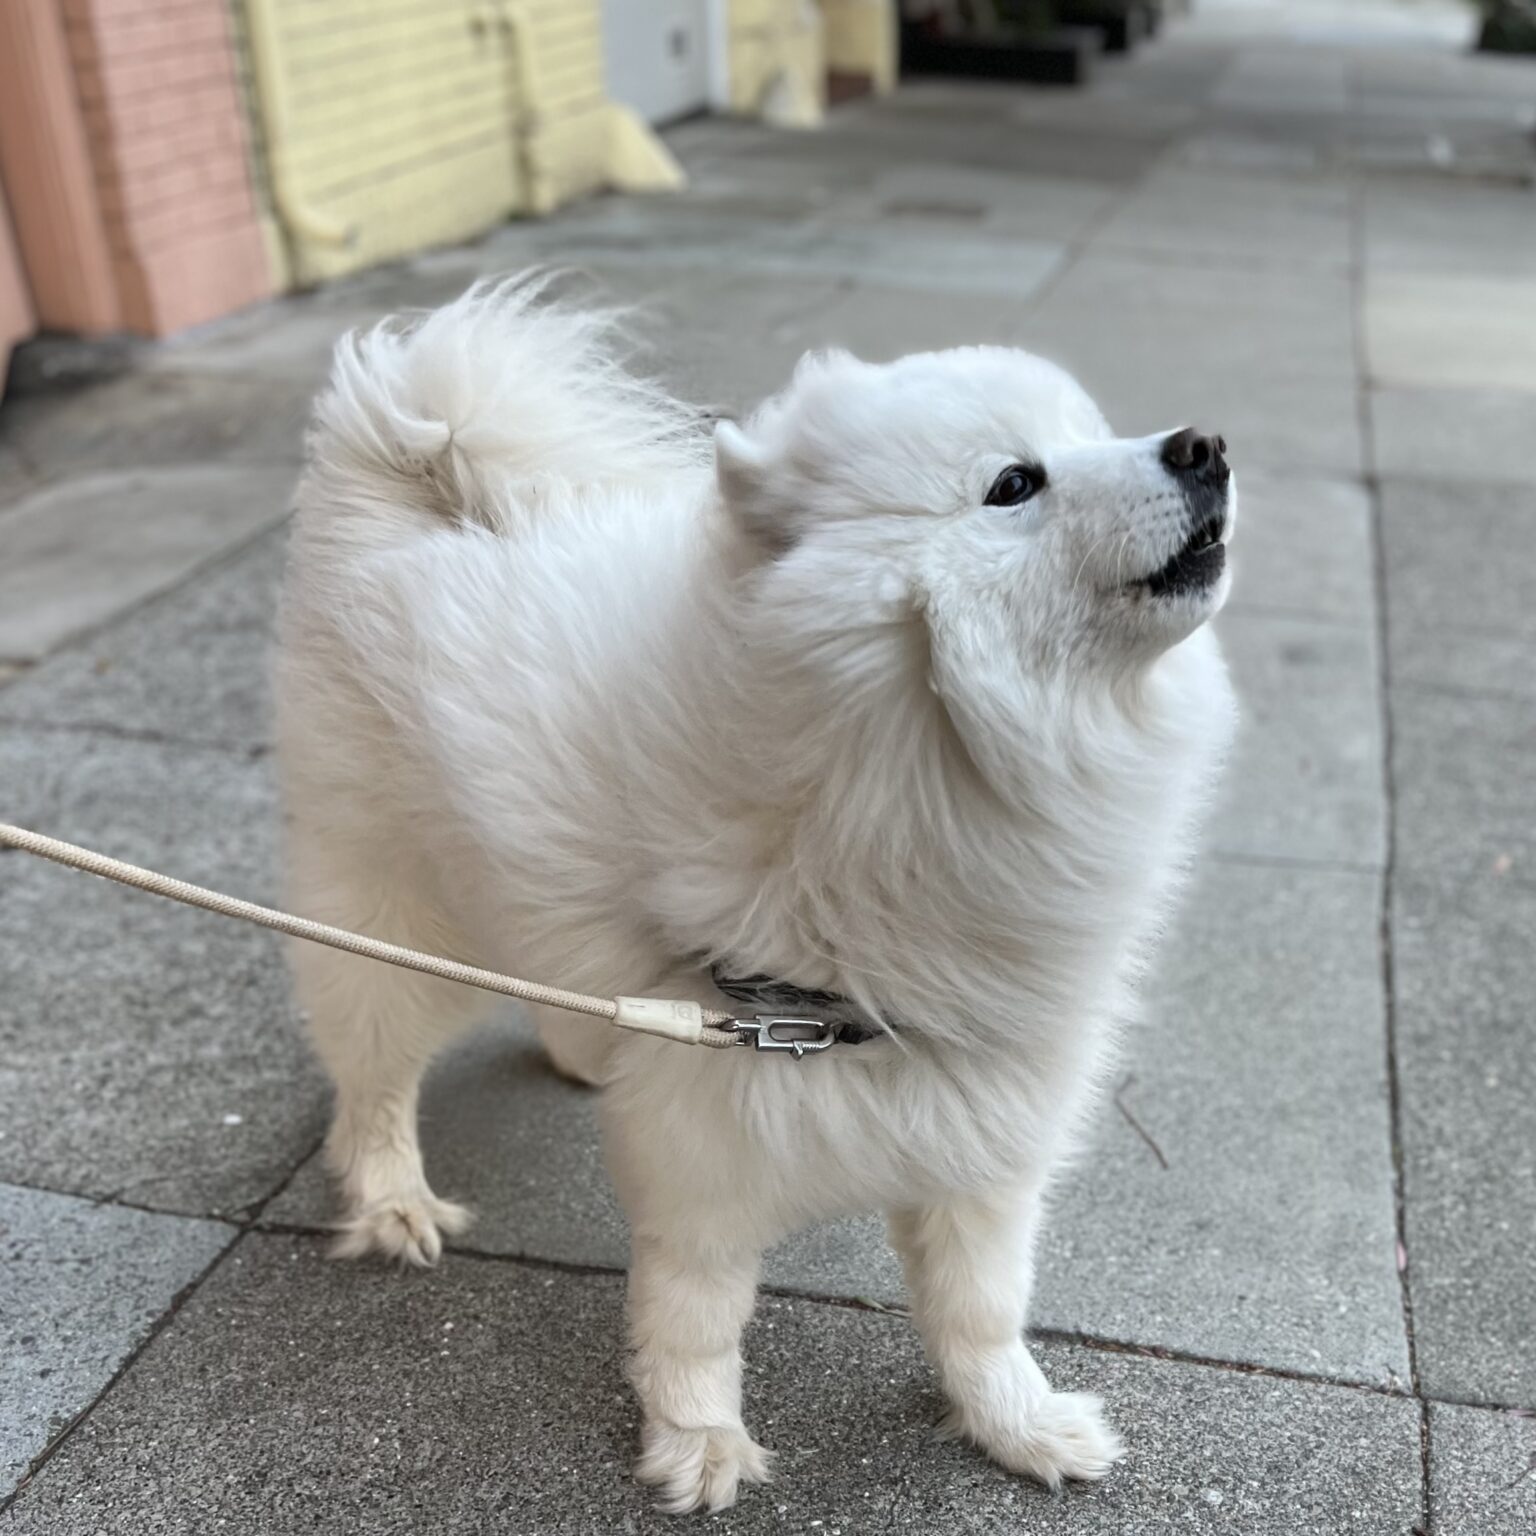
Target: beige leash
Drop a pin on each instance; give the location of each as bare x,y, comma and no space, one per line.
671,1018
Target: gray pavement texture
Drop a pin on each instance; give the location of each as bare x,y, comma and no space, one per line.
488,1397
85,1284
1298,1258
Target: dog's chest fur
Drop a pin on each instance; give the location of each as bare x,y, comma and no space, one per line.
1001,939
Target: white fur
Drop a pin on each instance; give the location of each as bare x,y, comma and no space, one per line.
559,698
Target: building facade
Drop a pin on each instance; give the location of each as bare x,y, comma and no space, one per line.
163,162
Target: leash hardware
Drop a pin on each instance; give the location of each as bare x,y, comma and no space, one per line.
790,1032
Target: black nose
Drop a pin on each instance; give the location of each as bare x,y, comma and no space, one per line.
1198,457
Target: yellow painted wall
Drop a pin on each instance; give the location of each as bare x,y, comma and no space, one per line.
861,37
390,125
777,62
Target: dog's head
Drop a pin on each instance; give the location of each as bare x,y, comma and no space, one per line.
981,488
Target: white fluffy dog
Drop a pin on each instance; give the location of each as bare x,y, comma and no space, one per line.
900,690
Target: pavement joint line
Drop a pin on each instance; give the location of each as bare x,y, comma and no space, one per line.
147,734
1215,261
1262,610
161,1323
116,1202
202,569
1074,250
1244,613
1286,861
1372,481
1101,1343
156,1328
45,480
1450,691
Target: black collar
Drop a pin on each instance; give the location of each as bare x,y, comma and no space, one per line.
767,995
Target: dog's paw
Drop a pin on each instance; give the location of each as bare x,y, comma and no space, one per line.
1064,1438
699,1468
406,1228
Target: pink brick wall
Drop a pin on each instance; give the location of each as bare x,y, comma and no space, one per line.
157,89
16,315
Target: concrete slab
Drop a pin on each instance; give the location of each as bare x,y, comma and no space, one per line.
289,339
1238,147
766,173
997,131
1152,98
1305,780
1465,139
1422,73
297,1395
1250,1217
737,337
1286,79
1450,330
1459,610
918,259
194,665
1210,215
1449,227
78,553
662,234
1455,436
147,1052
1463,767
83,1286
149,420
1482,1472
880,324
1217,322
1303,547
1464,905
16,476
1464,976
1037,207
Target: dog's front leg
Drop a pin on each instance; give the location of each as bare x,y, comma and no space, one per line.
970,1267
688,1306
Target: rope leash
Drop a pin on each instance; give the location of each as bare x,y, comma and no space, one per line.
670,1018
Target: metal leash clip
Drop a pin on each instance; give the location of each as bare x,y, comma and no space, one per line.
790,1032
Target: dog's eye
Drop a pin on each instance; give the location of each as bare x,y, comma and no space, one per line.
1016,485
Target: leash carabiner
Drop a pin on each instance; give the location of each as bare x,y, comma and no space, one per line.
794,1033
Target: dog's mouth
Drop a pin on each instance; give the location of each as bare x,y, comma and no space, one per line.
1197,563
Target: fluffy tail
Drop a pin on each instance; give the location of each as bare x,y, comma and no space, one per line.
466,413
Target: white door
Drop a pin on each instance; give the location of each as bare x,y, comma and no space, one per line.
657,55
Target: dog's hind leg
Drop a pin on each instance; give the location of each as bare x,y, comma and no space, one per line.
969,1266
376,1027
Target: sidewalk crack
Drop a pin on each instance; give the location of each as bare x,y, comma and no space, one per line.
1372,481
156,1328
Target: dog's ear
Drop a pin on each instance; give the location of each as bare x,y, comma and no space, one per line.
741,471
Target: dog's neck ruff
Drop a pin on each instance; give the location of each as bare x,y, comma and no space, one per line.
769,997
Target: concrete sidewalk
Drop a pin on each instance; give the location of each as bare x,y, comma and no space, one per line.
1300,1262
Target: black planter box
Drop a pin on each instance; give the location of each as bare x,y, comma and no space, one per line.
1061,56
1123,23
